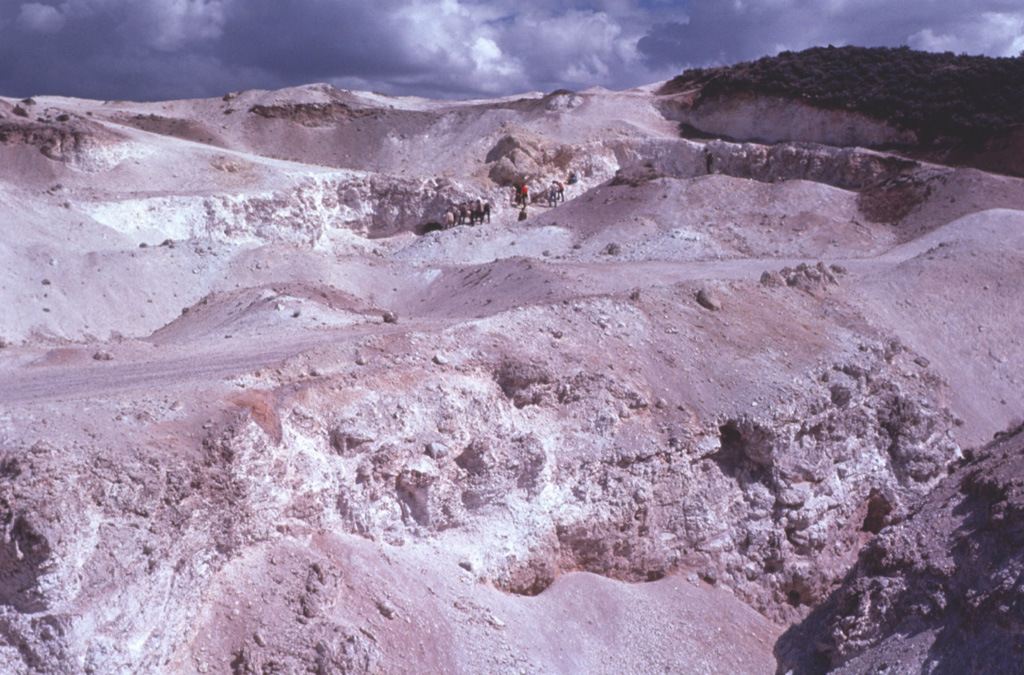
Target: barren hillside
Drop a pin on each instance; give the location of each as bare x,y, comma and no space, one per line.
259,414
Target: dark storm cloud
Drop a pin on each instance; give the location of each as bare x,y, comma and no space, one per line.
316,38
107,48
163,48
150,49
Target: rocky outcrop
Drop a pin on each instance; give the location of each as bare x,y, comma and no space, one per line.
939,592
315,114
850,169
85,146
774,506
515,160
552,467
562,100
810,279
894,197
767,119
303,213
519,158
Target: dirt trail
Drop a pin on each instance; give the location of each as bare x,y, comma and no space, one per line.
173,364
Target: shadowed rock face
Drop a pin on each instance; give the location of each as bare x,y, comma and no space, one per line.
940,592
768,119
261,412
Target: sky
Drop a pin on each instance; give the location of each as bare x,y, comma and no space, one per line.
169,49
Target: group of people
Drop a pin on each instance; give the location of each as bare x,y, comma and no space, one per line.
467,212
554,193
478,211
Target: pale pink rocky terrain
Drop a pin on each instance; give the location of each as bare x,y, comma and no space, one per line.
257,416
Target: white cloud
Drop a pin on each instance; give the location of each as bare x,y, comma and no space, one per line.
456,39
992,33
495,48
574,48
38,18
489,61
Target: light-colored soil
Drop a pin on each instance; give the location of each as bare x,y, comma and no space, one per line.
216,455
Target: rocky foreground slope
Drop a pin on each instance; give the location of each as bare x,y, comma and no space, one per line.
940,592
258,416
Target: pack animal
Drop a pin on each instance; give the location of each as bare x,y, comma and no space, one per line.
480,211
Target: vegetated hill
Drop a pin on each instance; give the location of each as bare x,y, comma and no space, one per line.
934,95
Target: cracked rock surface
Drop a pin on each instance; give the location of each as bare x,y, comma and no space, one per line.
940,592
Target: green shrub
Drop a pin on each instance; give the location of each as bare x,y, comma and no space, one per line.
938,96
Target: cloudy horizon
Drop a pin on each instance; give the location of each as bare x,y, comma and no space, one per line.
170,49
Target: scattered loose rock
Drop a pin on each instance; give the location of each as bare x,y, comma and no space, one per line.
708,299
437,450
386,609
